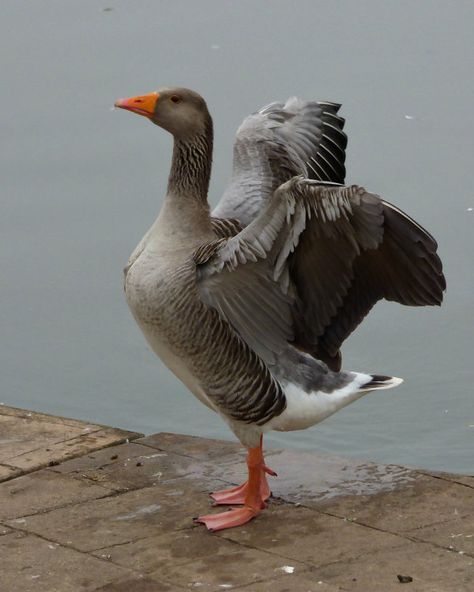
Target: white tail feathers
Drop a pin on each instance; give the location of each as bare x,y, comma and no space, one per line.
378,383
305,409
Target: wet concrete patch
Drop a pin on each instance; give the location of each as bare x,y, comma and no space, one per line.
318,478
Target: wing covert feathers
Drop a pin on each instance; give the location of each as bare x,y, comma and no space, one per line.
225,227
333,252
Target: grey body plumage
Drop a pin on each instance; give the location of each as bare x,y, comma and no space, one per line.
249,306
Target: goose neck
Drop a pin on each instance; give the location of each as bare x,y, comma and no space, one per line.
191,166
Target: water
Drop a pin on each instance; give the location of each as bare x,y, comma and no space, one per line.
80,185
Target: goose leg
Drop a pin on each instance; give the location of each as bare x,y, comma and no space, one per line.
254,502
236,495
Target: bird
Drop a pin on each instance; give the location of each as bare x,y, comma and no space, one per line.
248,305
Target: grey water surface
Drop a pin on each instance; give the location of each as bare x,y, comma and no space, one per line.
81,184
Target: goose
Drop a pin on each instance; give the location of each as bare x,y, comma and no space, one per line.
249,305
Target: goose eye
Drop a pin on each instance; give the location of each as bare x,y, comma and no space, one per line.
175,99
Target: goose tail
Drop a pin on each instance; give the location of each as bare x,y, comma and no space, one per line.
379,382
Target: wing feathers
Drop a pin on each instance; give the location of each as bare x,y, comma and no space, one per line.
279,141
318,258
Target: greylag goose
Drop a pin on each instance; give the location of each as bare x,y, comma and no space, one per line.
249,306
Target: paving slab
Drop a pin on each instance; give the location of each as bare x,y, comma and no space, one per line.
17,437
304,535
86,508
456,535
30,440
306,582
7,472
422,502
38,417
431,569
42,491
130,466
31,564
4,530
117,519
466,480
145,584
228,565
193,446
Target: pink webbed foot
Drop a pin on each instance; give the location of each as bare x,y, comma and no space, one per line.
233,496
236,495
252,494
229,519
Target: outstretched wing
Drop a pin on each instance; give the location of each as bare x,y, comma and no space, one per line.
395,259
278,142
328,254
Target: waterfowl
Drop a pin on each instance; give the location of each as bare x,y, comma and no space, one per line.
249,305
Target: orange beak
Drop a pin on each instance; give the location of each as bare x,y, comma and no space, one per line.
144,105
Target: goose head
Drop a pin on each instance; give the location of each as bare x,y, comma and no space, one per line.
180,111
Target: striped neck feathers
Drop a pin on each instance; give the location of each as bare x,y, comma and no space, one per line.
191,165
